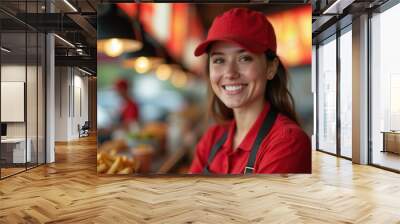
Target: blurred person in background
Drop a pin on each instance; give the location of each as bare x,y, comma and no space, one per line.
129,110
127,116
257,130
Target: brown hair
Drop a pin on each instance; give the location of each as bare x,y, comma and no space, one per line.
276,93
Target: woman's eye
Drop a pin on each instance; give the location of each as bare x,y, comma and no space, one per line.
245,58
218,60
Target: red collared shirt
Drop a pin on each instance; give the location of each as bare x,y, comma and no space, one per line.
129,112
286,149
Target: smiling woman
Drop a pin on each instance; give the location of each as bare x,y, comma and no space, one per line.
237,76
257,130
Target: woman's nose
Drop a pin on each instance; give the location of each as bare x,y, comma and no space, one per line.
231,70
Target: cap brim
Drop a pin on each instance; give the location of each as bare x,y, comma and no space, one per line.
252,47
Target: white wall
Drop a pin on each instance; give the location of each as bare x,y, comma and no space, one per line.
33,127
15,73
61,103
71,93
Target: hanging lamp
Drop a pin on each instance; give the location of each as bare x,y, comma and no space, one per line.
117,33
147,58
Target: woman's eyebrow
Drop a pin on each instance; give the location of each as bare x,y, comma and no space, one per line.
216,53
221,53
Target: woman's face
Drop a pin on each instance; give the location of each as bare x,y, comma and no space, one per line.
238,77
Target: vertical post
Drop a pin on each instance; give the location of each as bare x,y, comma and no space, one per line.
316,97
26,109
360,90
314,91
1,163
50,93
338,119
37,90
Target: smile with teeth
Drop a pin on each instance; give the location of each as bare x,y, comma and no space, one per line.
233,89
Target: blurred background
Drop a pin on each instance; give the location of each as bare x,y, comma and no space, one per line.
152,91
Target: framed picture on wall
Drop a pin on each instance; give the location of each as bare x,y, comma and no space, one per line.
12,101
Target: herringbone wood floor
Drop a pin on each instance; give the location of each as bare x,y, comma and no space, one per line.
69,191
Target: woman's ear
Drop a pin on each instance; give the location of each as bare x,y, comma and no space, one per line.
272,67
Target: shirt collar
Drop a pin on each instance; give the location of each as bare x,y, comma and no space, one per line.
248,141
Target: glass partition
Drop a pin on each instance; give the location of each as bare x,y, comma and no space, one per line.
41,91
22,89
31,97
15,152
385,89
327,96
345,93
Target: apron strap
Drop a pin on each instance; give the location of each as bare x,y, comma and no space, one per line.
264,130
214,151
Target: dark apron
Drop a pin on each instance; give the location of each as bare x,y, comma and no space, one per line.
264,130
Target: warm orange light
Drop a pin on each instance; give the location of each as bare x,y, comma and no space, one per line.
179,79
163,72
142,65
115,46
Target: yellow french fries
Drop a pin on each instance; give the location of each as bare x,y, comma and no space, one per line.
99,156
115,166
110,162
101,168
126,170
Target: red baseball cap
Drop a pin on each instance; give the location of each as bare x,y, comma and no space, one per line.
121,85
249,29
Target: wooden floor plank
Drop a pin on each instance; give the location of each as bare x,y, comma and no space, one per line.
69,191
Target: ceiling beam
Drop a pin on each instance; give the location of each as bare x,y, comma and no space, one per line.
77,61
86,26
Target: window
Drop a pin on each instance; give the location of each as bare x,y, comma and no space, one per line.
327,96
346,93
385,89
